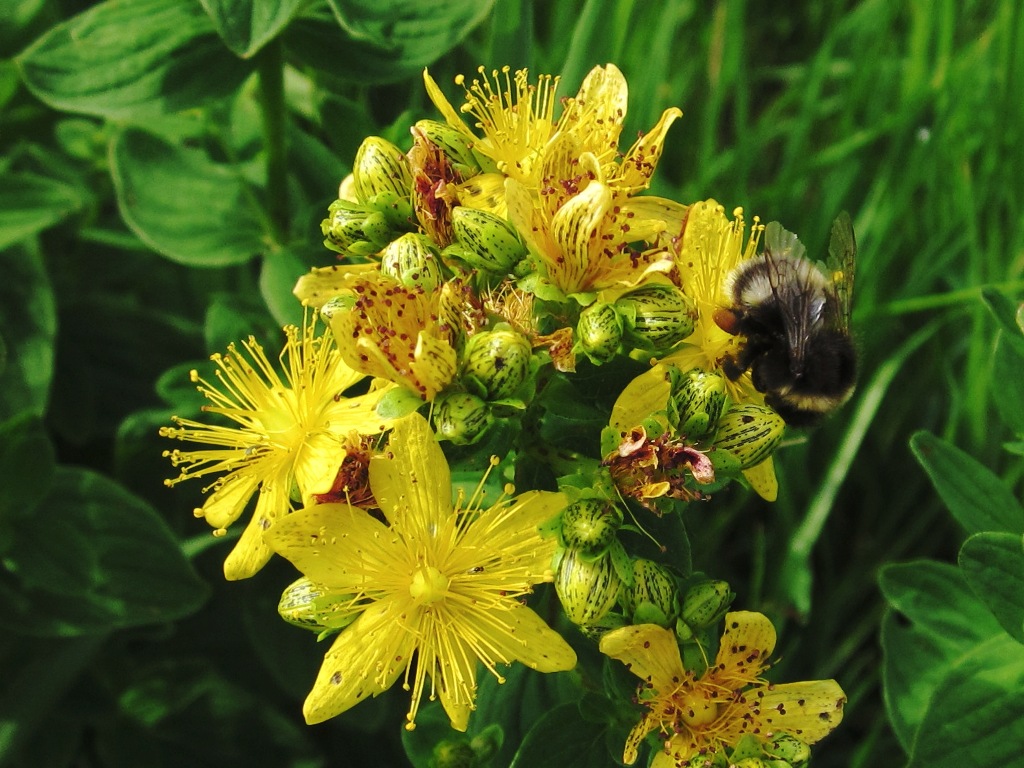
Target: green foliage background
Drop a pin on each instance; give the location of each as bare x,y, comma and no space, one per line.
165,167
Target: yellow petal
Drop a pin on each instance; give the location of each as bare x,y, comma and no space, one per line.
366,659
335,545
652,215
576,229
762,479
227,503
642,158
807,710
526,638
644,395
456,681
317,287
251,551
434,365
413,476
649,651
747,642
444,106
485,192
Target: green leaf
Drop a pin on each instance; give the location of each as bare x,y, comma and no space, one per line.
30,203
28,325
392,39
1007,313
1008,383
281,270
183,205
94,558
248,25
993,564
562,737
132,59
942,620
26,469
976,497
976,716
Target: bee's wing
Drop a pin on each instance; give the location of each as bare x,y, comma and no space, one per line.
842,249
790,279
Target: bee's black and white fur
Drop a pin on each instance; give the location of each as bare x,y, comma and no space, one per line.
794,318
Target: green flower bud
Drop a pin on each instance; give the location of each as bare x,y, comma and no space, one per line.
750,432
307,605
657,316
590,525
343,226
453,753
587,588
705,603
380,166
461,418
413,261
496,363
750,762
697,402
453,143
654,596
488,242
785,746
599,332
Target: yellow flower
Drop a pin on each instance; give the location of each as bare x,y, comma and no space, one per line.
396,333
710,249
288,431
443,580
703,714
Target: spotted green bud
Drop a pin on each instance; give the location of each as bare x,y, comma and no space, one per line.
657,316
453,753
750,762
785,746
454,144
496,363
705,603
486,241
343,227
413,261
587,588
461,418
654,596
599,332
380,166
590,525
750,432
697,402
307,605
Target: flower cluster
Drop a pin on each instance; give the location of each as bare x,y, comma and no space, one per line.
500,280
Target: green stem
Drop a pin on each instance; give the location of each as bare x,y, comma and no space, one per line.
270,63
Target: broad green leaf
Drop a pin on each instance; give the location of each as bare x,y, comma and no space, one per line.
563,738
26,469
30,203
1008,383
183,205
248,25
94,558
281,269
976,716
28,325
131,59
385,40
942,620
993,564
975,496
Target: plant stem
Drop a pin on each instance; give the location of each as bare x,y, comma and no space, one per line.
270,64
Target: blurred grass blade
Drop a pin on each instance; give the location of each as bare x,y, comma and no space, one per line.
796,570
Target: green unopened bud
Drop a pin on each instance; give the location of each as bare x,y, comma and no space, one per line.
487,242
705,603
599,332
654,597
750,762
496,363
697,402
588,588
413,261
307,605
590,525
343,226
453,753
785,746
657,316
461,418
380,166
454,144
750,432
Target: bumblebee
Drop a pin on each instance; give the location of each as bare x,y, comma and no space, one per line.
794,316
